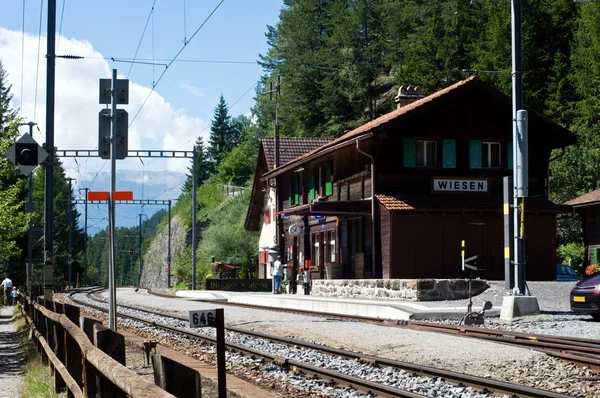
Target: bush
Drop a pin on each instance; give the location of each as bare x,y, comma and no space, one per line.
573,252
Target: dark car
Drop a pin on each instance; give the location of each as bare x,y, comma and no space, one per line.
566,273
585,296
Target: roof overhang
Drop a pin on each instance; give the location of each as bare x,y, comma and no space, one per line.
336,208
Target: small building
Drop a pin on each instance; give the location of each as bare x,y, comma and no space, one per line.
261,212
394,198
588,208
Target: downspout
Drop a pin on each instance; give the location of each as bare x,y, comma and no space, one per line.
557,157
373,233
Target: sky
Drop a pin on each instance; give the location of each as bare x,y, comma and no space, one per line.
183,101
219,58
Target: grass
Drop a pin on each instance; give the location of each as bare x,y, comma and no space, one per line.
38,382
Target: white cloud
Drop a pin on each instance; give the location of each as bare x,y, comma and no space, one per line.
191,89
158,126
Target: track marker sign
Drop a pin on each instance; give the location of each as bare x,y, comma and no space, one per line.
203,318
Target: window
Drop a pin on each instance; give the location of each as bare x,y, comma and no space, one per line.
426,153
331,240
294,191
316,258
490,155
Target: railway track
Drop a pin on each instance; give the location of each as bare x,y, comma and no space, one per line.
583,352
478,385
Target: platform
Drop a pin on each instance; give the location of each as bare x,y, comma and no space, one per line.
384,309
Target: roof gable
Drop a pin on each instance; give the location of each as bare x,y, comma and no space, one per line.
290,148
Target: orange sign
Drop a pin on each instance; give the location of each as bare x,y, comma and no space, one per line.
103,195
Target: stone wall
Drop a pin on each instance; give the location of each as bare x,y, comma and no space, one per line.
154,273
398,289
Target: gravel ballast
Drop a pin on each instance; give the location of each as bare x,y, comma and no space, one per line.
450,352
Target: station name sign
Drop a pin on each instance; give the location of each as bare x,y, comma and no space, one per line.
460,185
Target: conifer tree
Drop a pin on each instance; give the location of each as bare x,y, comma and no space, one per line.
220,133
203,167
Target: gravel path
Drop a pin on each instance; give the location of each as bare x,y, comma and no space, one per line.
11,360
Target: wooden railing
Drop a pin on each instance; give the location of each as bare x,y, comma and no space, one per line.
78,365
239,285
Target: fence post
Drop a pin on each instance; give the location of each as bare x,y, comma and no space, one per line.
113,344
176,378
221,375
58,346
87,325
73,353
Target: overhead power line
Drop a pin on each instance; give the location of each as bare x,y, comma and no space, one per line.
173,60
142,37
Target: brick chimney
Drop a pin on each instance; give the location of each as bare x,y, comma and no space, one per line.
407,95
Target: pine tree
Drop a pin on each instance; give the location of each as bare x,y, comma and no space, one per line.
203,167
6,113
220,133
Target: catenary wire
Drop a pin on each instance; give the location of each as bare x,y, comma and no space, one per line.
142,37
174,58
62,17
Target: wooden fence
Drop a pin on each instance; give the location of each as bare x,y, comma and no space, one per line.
82,368
239,285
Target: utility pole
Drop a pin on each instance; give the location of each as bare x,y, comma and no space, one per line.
141,257
194,206
169,249
49,180
520,172
69,255
29,209
86,235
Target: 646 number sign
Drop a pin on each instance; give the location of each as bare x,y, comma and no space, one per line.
202,318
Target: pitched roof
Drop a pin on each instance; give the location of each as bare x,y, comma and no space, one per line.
587,199
376,124
290,148
460,203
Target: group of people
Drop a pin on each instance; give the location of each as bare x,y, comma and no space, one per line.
11,293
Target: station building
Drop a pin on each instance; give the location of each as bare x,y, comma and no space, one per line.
394,198
588,208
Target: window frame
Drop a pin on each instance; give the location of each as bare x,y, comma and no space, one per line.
486,163
425,157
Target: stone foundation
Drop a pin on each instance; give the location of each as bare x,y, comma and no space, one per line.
398,289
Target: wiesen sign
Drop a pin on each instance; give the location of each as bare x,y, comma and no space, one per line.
460,185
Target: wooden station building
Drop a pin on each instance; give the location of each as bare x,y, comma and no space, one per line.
395,197
588,207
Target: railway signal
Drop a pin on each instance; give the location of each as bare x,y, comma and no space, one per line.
26,154
131,252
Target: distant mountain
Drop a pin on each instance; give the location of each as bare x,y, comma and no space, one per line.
152,185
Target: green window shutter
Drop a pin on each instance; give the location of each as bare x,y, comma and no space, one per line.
328,182
311,192
475,154
510,155
409,158
449,147
595,256
290,191
297,191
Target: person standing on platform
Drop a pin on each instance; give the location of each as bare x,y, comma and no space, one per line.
7,285
278,274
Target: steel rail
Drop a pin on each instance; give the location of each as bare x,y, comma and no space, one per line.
567,348
456,378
